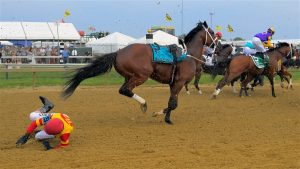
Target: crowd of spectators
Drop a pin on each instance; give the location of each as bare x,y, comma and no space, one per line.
17,54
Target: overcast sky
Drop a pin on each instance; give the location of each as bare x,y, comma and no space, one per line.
134,17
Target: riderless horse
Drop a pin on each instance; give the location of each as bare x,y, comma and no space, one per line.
135,64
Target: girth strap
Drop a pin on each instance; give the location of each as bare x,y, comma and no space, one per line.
174,65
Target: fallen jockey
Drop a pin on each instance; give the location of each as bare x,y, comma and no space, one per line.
55,125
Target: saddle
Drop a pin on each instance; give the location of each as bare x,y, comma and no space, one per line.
169,54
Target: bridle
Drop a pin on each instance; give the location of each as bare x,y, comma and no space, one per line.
290,52
207,34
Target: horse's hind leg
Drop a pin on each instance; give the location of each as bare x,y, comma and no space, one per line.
288,77
245,83
129,85
227,78
196,82
187,88
233,86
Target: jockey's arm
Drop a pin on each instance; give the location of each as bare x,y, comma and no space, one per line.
36,123
268,43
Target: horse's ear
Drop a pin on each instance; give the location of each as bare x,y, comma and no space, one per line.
205,24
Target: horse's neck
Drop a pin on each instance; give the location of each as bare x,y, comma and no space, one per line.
275,54
195,50
225,53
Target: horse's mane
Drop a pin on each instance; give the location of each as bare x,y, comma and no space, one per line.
279,45
189,37
225,46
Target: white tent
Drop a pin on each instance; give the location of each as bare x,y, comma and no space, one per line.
110,43
38,31
160,37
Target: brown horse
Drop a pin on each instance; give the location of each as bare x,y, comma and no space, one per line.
284,73
135,64
220,56
244,63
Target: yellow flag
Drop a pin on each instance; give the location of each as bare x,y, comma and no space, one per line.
229,28
67,13
168,18
218,28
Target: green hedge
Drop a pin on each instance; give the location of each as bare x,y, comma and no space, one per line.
25,79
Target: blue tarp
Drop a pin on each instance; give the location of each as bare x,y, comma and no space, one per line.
21,43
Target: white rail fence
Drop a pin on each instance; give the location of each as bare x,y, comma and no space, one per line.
7,68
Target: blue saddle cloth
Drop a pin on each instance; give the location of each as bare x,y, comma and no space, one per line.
161,54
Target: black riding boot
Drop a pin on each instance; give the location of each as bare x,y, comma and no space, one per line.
47,105
46,145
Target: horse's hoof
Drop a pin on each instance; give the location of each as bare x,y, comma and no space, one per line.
200,92
213,97
168,121
144,107
188,92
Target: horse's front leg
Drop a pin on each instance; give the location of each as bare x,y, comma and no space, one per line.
172,103
271,79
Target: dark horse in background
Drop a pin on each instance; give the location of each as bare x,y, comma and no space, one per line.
244,64
135,64
220,57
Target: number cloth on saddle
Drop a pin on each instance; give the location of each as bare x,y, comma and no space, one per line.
259,60
167,54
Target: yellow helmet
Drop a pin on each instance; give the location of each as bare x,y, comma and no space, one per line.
271,30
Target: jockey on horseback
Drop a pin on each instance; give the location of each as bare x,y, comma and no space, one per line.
262,40
209,50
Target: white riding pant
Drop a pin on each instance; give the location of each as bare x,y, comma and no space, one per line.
208,60
258,45
36,115
248,51
43,135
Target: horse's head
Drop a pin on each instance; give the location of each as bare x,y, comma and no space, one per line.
222,52
201,33
285,49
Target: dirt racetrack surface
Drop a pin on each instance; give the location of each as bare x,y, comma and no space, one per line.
111,132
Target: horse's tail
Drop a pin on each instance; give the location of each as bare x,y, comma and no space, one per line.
98,66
